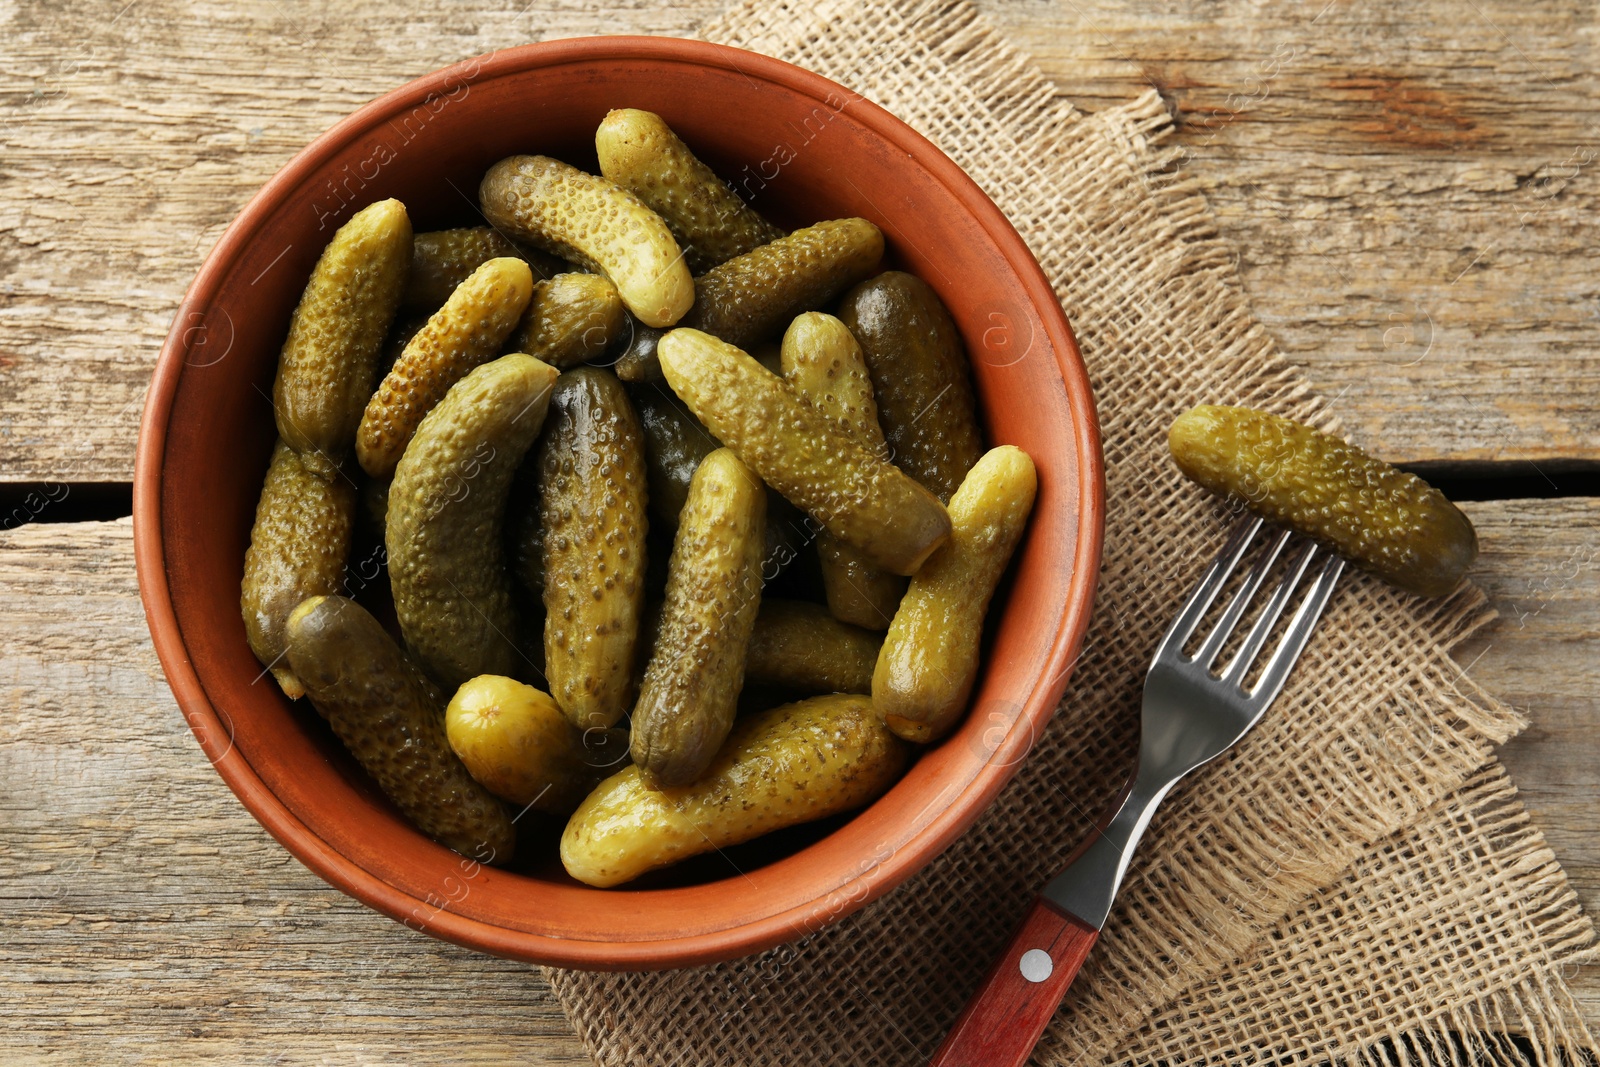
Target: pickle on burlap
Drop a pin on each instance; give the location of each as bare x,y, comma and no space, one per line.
798,645
824,363
391,718
920,377
447,504
641,153
592,500
595,223
802,454
1382,519
298,548
752,297
929,659
330,359
571,319
443,259
691,684
467,332
780,767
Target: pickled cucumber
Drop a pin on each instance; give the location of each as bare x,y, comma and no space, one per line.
801,453
298,548
675,443
329,362
592,510
752,297
691,685
463,334
594,223
517,744
391,718
636,361
799,646
571,319
929,660
639,152
920,377
447,565
781,767
443,259
1389,522
823,363
525,530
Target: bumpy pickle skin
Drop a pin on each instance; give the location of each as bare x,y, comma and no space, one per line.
518,745
691,684
1384,520
443,259
920,377
800,646
444,532
779,768
572,319
298,548
639,151
592,511
391,718
330,359
593,222
824,364
929,659
801,453
752,297
466,333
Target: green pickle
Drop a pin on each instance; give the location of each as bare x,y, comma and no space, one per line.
800,646
445,534
639,152
803,454
391,718
1384,520
929,660
592,512
572,318
443,259
920,377
467,332
596,224
691,684
752,298
823,362
780,767
330,359
298,548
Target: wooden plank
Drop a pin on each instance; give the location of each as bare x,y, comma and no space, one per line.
1409,187
145,916
1540,564
144,913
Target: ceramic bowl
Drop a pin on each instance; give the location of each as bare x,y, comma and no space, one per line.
804,149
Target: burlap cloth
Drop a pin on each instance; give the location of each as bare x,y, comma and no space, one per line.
1355,881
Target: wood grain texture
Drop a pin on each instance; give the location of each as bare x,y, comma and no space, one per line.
1409,187
1540,564
145,916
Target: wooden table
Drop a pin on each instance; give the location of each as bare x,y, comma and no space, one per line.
1409,188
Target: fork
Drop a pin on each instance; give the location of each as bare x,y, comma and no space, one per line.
1191,715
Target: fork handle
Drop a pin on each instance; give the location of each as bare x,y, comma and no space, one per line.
1004,1019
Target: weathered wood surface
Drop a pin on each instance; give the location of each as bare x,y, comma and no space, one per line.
145,916
1410,186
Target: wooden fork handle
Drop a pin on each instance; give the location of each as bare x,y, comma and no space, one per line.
1004,1019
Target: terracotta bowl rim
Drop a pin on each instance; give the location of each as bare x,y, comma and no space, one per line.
960,810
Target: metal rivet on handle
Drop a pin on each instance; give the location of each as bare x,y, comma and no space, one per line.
1036,965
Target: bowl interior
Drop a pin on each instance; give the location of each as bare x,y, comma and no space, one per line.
803,150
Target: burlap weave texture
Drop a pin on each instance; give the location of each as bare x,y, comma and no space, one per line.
1372,761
